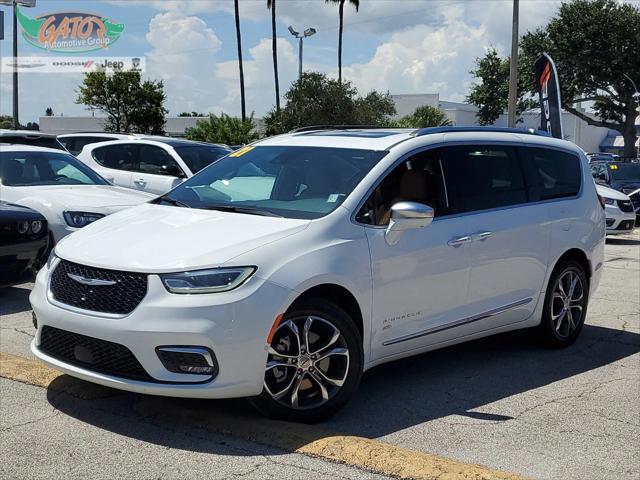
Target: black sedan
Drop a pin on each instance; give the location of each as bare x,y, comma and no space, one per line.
24,241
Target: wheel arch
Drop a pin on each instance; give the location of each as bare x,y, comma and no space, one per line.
578,255
338,295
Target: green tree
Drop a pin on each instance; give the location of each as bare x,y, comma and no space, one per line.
491,94
6,121
316,99
595,45
130,104
224,129
271,5
49,112
191,114
423,117
355,3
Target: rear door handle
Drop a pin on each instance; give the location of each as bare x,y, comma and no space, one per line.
140,182
456,242
483,235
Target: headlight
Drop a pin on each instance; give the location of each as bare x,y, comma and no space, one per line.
609,201
36,227
207,281
81,219
23,227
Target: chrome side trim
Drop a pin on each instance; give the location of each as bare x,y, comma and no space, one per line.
458,323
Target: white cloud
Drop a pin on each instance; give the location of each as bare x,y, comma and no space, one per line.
258,77
183,57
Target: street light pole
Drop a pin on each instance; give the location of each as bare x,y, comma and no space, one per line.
307,33
300,43
513,68
16,122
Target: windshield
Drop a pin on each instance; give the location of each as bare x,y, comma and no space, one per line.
625,171
19,169
199,156
293,182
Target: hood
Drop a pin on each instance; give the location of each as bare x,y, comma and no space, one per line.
611,193
92,198
155,238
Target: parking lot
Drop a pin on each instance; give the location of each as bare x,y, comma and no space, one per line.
504,403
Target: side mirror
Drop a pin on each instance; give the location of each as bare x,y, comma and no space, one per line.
407,216
172,171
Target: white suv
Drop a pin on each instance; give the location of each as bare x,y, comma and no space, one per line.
154,164
289,267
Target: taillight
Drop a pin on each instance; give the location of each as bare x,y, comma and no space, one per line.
602,202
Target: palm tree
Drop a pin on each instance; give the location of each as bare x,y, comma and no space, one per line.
239,38
271,4
355,3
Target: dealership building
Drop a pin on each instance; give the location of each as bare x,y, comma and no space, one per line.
588,137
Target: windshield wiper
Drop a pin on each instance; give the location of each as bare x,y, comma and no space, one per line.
247,210
171,201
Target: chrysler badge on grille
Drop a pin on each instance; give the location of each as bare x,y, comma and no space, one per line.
94,282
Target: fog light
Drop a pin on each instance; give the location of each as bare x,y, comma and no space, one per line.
188,360
610,221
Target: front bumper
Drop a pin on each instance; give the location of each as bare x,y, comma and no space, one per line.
234,325
619,222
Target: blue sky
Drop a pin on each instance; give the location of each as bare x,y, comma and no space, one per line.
401,46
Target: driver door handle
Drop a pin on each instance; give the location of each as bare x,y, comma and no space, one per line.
456,242
483,235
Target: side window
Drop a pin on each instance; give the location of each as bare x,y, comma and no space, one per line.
417,179
481,177
117,157
156,161
552,173
77,144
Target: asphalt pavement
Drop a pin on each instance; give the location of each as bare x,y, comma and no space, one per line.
503,402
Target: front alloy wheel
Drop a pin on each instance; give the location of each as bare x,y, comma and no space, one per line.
314,363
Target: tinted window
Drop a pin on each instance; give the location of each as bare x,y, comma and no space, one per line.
551,173
294,182
117,157
625,171
45,168
47,142
418,179
157,161
482,177
199,157
76,144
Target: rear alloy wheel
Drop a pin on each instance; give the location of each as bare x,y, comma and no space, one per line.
313,366
565,304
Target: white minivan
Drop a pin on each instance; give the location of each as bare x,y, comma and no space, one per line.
285,270
150,164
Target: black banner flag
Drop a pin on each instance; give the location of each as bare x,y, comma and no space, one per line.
546,79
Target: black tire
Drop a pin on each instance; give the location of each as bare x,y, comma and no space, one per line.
564,334
351,368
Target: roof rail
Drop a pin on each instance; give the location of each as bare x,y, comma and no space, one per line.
433,130
312,128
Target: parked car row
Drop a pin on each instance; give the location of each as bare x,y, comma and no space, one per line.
114,172
619,183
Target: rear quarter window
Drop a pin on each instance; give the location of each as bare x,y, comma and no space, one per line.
551,174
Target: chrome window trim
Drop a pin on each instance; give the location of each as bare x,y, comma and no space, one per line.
458,323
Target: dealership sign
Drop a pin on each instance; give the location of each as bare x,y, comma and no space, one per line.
70,32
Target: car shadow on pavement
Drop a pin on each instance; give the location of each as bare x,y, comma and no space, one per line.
622,241
454,381
14,300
